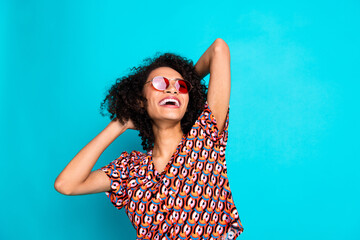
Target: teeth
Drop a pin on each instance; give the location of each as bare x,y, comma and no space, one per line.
163,102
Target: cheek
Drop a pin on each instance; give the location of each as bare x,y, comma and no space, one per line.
151,104
186,100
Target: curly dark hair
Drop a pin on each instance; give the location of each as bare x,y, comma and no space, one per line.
123,99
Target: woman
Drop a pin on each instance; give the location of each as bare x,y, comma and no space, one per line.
178,189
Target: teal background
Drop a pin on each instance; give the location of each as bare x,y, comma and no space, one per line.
293,158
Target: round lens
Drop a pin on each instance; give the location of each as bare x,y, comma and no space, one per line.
160,83
182,86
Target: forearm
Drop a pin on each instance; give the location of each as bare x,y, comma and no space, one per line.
203,65
81,165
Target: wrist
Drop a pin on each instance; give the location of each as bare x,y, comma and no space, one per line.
116,127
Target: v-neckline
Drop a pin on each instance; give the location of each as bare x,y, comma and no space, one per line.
151,162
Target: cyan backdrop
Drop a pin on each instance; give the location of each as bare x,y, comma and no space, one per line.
293,150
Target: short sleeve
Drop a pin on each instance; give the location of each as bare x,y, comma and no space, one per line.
208,121
118,172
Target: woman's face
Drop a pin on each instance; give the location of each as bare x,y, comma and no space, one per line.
157,109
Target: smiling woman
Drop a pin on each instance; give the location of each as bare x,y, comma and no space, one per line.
178,188
126,100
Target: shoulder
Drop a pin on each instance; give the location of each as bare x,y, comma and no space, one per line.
129,157
136,154
209,124
127,162
133,156
207,116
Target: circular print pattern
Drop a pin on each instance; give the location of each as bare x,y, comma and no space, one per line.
190,199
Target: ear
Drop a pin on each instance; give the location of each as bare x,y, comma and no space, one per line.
141,103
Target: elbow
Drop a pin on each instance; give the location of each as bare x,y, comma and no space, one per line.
221,47
62,188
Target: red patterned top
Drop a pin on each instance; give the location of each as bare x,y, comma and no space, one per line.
191,199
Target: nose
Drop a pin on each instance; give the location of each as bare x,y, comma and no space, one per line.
171,88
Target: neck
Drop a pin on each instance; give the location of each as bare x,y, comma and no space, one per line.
166,140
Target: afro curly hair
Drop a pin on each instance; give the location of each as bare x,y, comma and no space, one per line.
124,98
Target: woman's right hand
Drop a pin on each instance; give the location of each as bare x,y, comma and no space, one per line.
130,125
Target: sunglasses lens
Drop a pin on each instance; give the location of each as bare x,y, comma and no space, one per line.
160,83
182,86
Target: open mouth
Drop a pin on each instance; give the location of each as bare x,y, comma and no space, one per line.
170,102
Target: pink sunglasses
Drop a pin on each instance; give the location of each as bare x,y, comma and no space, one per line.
162,83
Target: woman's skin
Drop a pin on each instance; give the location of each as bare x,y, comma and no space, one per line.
77,177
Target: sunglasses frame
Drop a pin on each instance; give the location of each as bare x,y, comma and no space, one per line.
188,84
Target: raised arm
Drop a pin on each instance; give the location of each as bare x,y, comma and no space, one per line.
216,61
77,178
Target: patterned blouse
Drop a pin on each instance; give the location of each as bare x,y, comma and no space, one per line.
190,199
